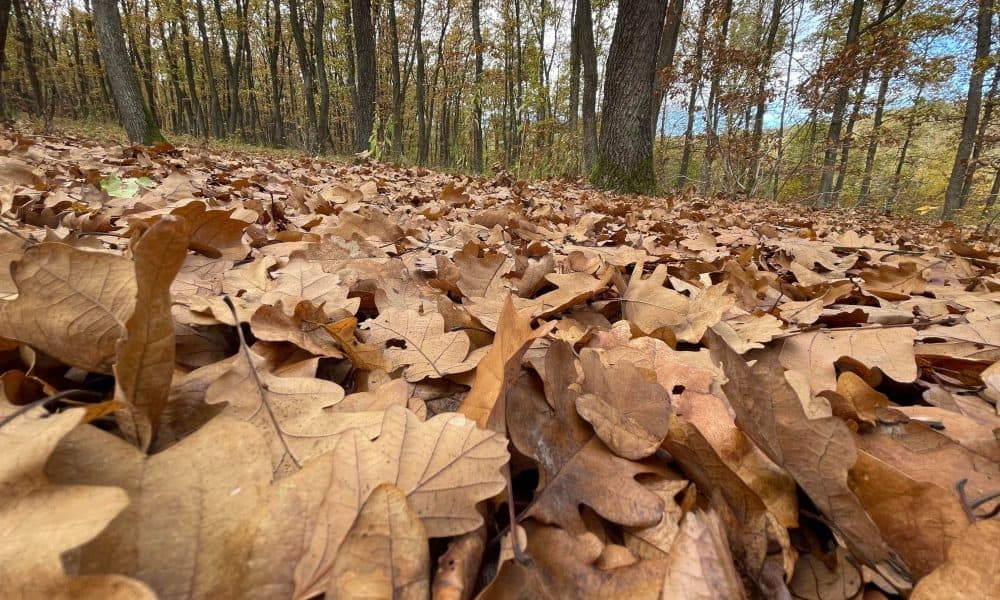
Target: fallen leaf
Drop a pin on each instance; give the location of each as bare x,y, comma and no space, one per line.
972,571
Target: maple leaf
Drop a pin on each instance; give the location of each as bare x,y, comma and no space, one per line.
40,521
578,468
428,351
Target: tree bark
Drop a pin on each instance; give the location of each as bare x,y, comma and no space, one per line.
323,126
977,149
4,25
273,53
764,77
134,115
665,55
477,95
218,125
866,179
625,155
397,92
364,44
423,141
588,60
695,86
306,68
27,48
196,107
973,103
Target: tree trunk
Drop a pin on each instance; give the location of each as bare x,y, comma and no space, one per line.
218,125
273,51
364,44
977,149
588,59
764,77
323,127
695,86
397,92
665,55
625,158
135,117
423,141
4,24
826,187
911,125
189,71
712,107
477,94
572,112
866,179
306,68
848,139
27,48
953,195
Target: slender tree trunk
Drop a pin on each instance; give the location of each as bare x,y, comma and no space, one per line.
477,94
397,92
27,49
134,115
953,195
712,107
826,185
323,127
189,70
977,149
625,156
763,77
273,53
306,68
866,179
911,125
588,59
4,25
364,44
991,200
847,139
695,86
784,105
218,125
572,112
665,55
423,141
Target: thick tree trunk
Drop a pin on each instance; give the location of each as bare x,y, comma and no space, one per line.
477,94
588,60
625,155
364,44
973,103
665,55
134,115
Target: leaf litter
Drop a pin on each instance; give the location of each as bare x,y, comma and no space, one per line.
236,375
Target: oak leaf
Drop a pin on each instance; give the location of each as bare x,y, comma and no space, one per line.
650,306
972,571
428,351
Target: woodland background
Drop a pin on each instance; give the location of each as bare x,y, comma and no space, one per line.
886,104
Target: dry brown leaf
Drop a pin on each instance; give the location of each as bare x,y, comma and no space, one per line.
385,553
363,356
144,364
889,350
577,468
444,466
184,531
71,304
458,567
972,571
486,401
650,306
40,521
302,279
427,350
564,566
826,578
627,408
699,566
306,327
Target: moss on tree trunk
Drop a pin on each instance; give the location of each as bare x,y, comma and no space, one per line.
609,175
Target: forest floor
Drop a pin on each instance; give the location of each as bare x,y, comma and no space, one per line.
673,397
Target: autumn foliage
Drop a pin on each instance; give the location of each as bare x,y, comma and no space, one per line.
243,376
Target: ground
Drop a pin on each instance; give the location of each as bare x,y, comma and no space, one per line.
673,396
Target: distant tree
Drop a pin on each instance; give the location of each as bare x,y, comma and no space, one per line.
139,124
625,152
588,59
973,103
364,43
4,23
